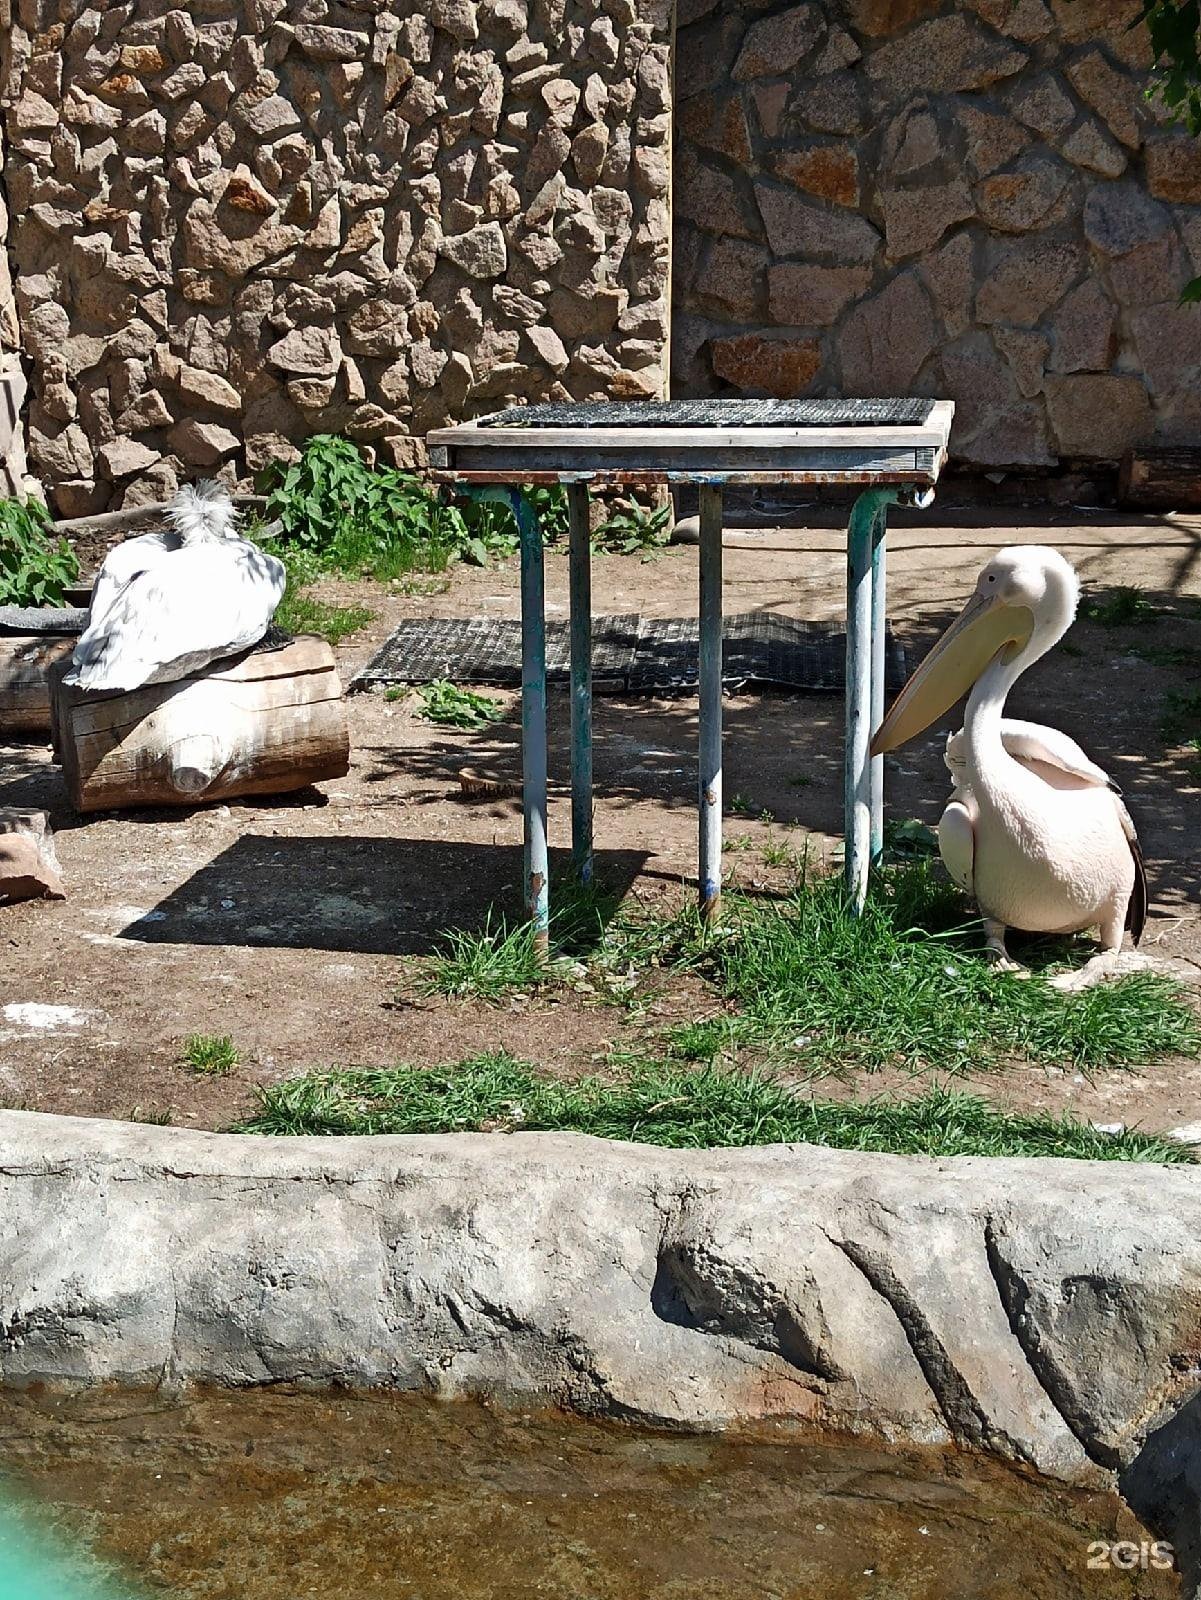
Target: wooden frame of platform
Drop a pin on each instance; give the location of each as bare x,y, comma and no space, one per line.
889,463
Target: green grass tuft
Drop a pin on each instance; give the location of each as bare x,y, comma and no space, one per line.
300,612
684,1108
501,958
209,1053
906,984
1182,717
498,960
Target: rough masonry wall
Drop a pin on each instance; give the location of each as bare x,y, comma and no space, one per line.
238,222
974,201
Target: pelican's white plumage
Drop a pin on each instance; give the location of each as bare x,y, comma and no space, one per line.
1034,829
168,603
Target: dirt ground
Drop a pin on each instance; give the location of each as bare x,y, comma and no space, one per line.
291,924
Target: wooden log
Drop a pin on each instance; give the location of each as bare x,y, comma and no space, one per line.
1167,478
29,868
263,723
25,663
131,516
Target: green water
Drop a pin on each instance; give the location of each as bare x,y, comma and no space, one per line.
275,1495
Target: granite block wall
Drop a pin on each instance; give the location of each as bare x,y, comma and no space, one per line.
234,223
974,201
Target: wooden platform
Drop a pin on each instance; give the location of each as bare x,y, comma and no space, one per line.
266,722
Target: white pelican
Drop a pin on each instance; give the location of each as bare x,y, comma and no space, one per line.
166,604
1034,830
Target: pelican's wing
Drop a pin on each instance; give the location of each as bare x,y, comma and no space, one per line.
124,562
957,843
207,601
1030,741
1136,911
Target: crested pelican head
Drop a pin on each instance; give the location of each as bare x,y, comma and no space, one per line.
202,512
1024,602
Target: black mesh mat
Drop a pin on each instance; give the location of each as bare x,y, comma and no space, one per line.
716,414
630,655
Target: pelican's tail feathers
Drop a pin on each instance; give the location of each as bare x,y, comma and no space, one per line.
202,511
99,663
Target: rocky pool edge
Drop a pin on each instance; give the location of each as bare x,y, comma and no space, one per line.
1047,1312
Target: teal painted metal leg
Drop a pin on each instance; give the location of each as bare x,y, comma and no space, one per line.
862,803
879,623
856,776
580,586
533,719
710,702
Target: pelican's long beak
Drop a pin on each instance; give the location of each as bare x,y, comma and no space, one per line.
984,627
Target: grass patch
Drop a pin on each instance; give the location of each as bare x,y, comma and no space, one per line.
906,983
211,1054
299,612
501,959
487,965
806,984
683,1108
451,707
1121,607
1181,723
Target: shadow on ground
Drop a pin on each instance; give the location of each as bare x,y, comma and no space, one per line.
358,895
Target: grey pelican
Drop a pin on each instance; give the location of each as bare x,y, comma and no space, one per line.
167,604
1034,829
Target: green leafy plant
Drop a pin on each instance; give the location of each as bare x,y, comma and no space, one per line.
210,1054
491,528
356,518
35,568
1174,27
633,529
445,703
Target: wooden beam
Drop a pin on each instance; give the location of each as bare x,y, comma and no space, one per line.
1167,478
130,516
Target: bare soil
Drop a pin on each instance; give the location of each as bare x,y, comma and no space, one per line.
293,925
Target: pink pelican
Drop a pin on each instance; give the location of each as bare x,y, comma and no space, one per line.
1034,830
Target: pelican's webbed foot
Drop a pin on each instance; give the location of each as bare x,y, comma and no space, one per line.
1109,964
995,952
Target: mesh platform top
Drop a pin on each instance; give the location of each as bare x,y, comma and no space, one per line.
717,414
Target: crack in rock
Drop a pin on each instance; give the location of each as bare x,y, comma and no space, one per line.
968,1422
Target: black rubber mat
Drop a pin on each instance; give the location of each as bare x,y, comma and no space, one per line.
716,414
49,620
630,655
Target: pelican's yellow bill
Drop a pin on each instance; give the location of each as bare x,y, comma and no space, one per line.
984,627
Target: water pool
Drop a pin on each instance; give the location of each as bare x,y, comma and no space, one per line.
279,1495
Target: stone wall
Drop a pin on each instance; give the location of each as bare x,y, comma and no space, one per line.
974,201
239,222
